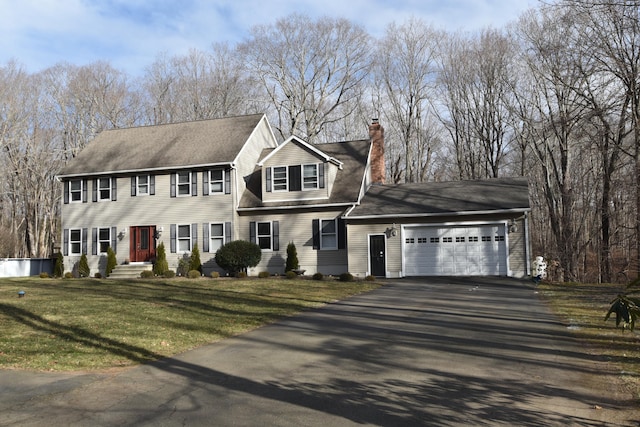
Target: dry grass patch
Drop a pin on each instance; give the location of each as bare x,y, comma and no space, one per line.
583,308
75,324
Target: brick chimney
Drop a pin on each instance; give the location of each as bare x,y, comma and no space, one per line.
376,133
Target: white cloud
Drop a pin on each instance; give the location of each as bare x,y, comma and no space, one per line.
131,33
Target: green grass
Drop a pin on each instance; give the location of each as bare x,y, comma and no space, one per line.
81,324
583,307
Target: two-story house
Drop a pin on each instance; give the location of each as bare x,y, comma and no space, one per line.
212,181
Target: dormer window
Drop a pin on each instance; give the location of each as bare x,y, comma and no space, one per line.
280,178
310,177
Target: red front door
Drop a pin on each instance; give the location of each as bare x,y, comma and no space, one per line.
143,245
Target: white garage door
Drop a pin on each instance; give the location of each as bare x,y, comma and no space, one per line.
455,251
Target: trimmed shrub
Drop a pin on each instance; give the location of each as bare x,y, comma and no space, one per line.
44,275
97,275
290,275
292,258
58,269
264,274
169,274
147,274
318,276
237,256
184,265
241,274
193,274
161,265
370,278
68,275
214,274
83,266
346,277
112,262
194,262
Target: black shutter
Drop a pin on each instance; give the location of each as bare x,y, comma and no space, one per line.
94,193
152,185
114,238
205,237
321,175
342,234
194,183
66,193
252,232
84,240
268,179
315,228
114,189
133,186
227,232
276,235
295,178
65,241
94,241
85,184
173,238
194,235
227,181
173,185
205,183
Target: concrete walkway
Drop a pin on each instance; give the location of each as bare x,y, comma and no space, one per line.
442,352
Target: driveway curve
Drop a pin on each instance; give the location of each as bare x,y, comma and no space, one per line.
436,351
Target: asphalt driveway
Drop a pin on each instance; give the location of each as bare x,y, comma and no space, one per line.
443,352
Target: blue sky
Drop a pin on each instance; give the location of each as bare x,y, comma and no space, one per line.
131,33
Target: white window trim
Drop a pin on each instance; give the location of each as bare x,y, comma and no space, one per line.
335,224
99,241
100,189
76,191
317,176
71,230
270,235
178,239
212,181
273,179
178,184
211,236
148,185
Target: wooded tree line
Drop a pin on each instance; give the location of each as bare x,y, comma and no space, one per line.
555,97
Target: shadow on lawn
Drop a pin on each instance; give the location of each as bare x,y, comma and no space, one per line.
81,336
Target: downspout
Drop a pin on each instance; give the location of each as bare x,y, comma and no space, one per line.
234,200
527,243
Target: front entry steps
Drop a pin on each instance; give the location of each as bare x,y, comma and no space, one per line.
129,271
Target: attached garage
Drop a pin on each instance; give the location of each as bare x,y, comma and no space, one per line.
462,228
478,250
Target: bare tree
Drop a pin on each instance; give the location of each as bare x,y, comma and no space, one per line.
405,70
310,70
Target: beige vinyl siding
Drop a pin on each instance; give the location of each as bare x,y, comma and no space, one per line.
261,138
160,210
297,228
290,155
358,240
358,232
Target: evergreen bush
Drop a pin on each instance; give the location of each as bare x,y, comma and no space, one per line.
318,276
147,274
161,266
346,277
112,262
83,266
292,258
58,269
193,274
169,274
291,275
194,262
237,256
263,274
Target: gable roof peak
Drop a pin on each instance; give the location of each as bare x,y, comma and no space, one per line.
294,139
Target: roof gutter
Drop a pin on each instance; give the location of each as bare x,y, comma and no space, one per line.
270,208
139,171
418,215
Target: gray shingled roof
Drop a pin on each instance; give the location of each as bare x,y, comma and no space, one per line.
444,198
164,146
346,187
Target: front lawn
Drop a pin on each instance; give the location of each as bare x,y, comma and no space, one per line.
583,307
74,324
